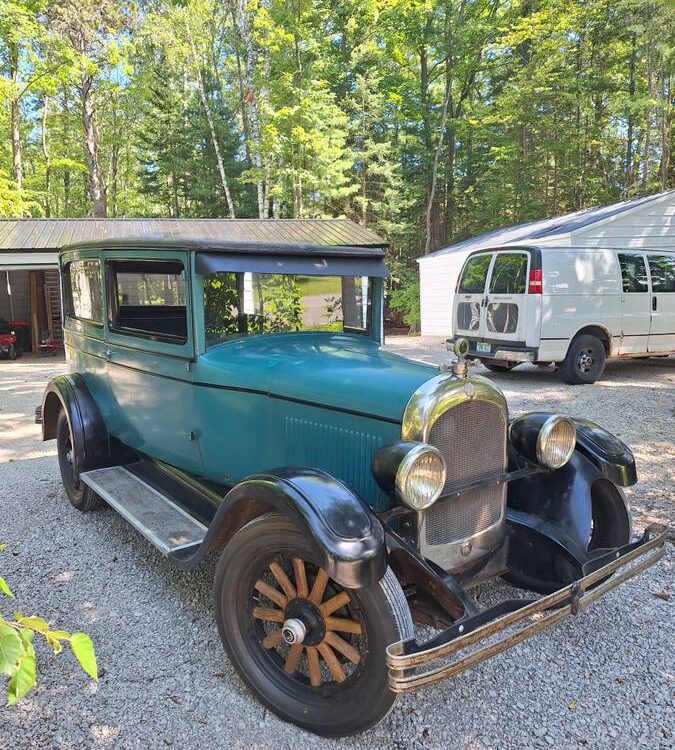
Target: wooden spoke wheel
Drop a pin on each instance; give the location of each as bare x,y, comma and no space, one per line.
311,650
309,622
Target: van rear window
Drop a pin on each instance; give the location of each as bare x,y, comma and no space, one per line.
472,280
633,273
509,274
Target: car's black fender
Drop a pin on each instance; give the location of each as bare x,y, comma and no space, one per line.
551,514
91,441
347,537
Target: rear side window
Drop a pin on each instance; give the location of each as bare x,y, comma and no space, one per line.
147,298
472,280
633,273
83,290
662,269
509,274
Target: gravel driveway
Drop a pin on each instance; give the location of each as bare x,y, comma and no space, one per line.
605,679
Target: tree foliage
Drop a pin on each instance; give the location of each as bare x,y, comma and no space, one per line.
427,121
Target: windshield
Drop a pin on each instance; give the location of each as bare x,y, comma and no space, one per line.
245,304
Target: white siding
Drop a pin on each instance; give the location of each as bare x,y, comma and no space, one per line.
438,278
651,226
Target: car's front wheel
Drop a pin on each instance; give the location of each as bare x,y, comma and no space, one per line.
312,651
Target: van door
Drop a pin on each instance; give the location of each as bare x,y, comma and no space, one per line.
505,303
635,303
470,296
662,314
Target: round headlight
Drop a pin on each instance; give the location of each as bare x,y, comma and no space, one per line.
556,441
420,477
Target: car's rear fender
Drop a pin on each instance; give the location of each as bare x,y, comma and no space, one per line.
346,535
88,429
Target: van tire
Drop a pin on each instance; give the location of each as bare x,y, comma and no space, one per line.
585,360
500,367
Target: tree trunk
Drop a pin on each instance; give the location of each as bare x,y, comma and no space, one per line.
15,117
434,170
630,120
91,145
48,163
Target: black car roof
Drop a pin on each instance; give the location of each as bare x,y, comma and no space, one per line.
232,246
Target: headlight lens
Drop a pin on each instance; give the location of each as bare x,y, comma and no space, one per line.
420,477
556,441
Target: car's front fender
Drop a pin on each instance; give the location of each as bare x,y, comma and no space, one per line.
347,537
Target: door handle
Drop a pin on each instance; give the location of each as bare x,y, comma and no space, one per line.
654,302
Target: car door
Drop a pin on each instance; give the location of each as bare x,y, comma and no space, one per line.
635,303
150,351
662,313
506,297
470,296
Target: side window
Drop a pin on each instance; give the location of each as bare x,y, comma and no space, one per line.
633,272
662,269
83,290
472,280
509,274
147,298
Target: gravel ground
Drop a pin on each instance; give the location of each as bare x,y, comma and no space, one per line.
605,679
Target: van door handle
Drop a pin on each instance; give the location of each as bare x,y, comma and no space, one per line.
654,303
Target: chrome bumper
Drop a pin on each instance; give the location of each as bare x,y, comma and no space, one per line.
406,659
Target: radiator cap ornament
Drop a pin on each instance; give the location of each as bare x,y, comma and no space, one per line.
460,347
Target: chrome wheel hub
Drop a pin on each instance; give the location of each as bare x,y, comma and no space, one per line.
293,631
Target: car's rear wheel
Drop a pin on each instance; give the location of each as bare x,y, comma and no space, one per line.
500,366
13,351
80,495
585,360
312,651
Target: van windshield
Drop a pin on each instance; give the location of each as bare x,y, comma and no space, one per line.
245,304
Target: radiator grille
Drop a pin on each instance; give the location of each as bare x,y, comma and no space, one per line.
465,516
472,439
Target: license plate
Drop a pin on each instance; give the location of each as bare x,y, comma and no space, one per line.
483,348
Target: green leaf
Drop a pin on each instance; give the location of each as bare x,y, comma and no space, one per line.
11,650
5,588
33,623
23,678
83,649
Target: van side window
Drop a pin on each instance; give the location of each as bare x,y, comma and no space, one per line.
474,274
83,290
508,274
633,272
147,298
662,269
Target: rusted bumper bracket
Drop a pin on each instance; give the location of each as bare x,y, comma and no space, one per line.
406,659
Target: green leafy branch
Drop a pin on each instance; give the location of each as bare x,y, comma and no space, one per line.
17,654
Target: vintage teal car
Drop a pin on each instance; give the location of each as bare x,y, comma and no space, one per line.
233,398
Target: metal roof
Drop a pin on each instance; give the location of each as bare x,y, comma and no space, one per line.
535,230
18,235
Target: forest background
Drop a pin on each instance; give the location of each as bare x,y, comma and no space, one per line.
426,121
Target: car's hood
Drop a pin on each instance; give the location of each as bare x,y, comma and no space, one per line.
339,371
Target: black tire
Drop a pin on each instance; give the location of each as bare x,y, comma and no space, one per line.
12,352
500,367
328,706
80,495
585,360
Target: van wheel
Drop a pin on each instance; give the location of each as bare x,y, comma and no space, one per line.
80,495
500,367
312,651
585,360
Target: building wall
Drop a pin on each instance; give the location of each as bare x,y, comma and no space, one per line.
438,278
650,226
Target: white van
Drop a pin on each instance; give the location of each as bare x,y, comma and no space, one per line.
570,305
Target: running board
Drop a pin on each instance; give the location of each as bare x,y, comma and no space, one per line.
164,523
